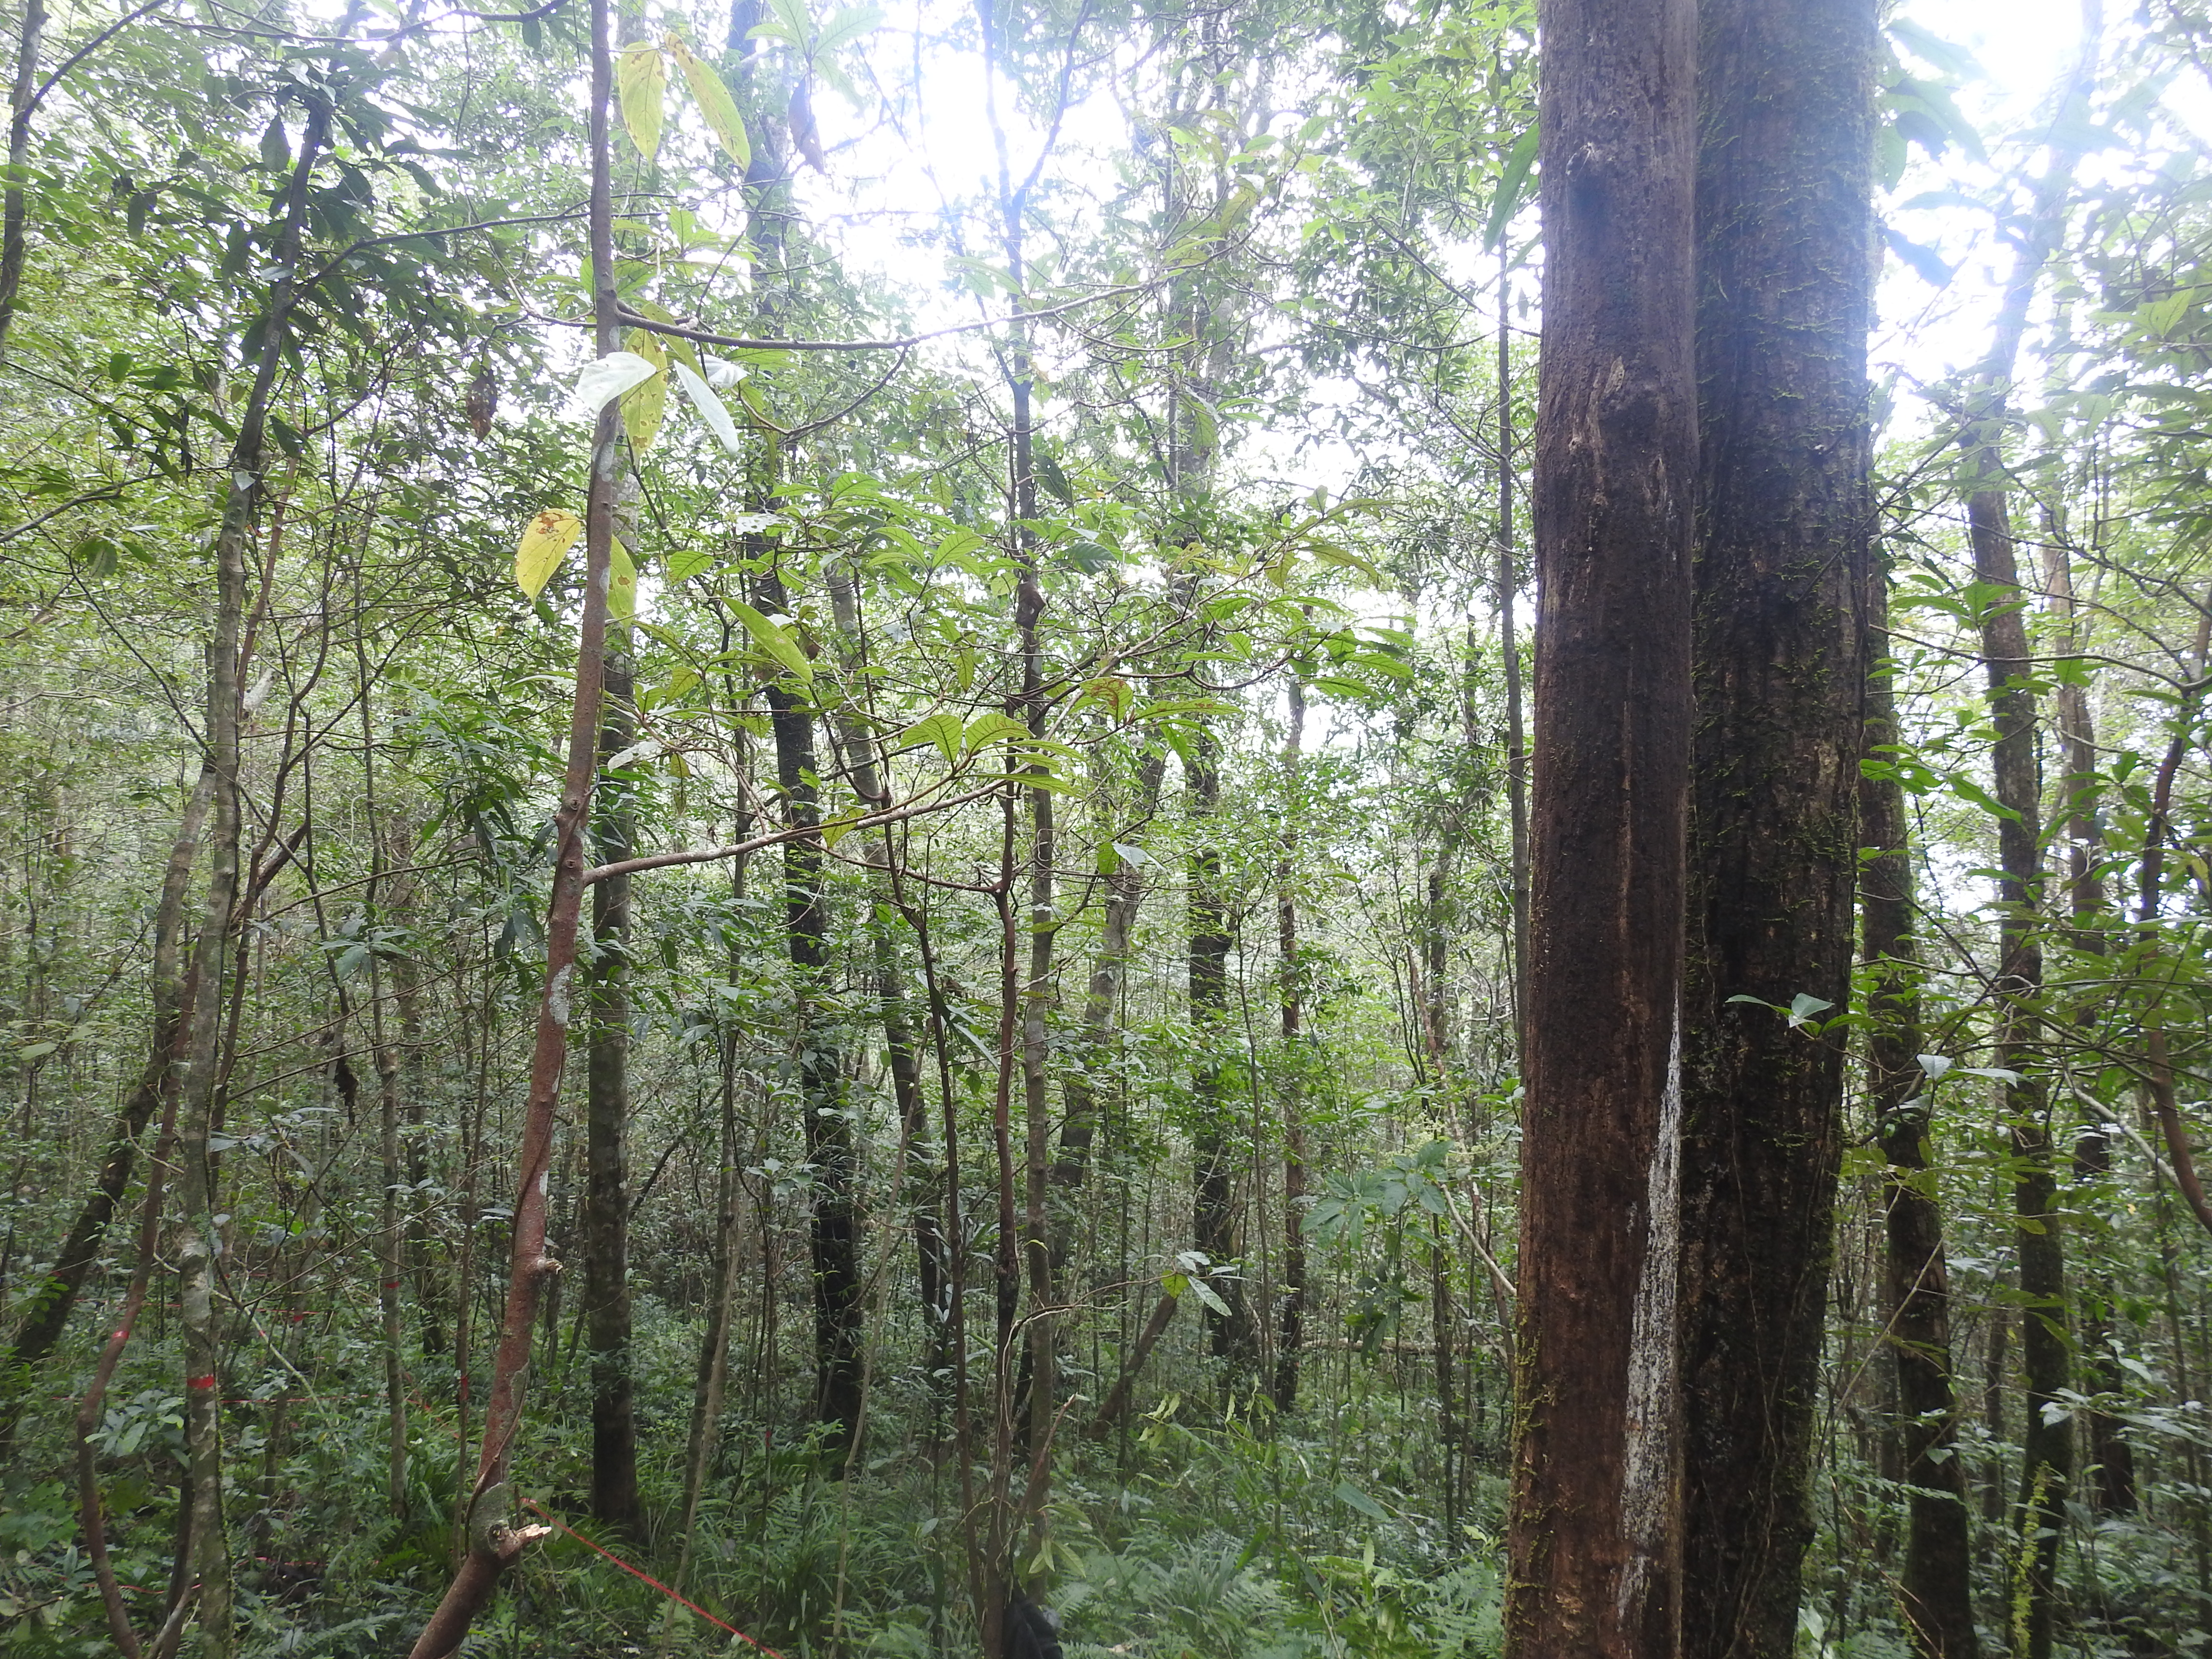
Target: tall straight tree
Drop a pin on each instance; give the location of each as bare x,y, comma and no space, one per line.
1592,1528
1784,291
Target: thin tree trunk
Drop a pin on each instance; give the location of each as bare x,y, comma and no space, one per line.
495,1540
1291,1319
606,1110
1592,1529
1937,1585
12,204
392,1246
2046,1440
2114,1493
48,1306
1784,192
1509,647
1078,1128
900,1057
204,1046
1215,1142
833,1226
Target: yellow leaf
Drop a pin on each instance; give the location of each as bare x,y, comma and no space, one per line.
545,542
644,404
621,586
639,77
714,102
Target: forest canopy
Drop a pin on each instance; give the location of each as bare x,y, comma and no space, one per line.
1055,826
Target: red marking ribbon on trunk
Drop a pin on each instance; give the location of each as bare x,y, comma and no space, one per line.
648,1578
198,1382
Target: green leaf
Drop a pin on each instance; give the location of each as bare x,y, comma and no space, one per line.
943,729
622,586
1348,1493
687,562
773,640
640,77
1967,789
715,104
996,727
1512,188
1049,474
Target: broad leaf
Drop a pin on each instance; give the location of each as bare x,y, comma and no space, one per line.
641,78
715,104
943,729
646,405
603,380
621,586
545,542
710,407
772,640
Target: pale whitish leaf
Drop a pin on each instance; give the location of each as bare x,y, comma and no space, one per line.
603,380
1134,854
545,542
754,524
715,104
722,374
710,407
644,749
1933,1066
640,77
622,586
645,405
1205,1293
848,25
1995,1073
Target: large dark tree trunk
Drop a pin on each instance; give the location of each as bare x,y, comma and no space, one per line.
606,1121
1937,1587
1785,275
1592,1526
834,1229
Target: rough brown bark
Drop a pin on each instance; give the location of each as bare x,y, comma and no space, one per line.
1784,182
1936,1588
1592,1526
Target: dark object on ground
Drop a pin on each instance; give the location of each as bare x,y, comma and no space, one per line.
1032,1631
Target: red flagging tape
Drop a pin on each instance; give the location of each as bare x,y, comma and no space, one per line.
648,1578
